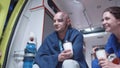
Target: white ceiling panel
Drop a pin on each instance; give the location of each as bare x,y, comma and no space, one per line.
85,13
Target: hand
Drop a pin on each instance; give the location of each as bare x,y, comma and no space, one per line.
93,50
104,63
66,54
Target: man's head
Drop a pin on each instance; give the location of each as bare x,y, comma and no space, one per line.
61,21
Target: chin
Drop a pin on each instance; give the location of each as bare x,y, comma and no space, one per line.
107,30
56,29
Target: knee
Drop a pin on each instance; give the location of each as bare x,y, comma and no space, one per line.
35,66
69,61
70,64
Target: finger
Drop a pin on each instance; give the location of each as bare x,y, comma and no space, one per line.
101,59
102,65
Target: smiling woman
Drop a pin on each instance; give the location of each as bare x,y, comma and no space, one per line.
111,22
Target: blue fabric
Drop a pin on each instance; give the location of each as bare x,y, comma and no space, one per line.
112,46
60,45
95,63
47,55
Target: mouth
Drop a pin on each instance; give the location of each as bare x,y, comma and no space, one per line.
56,27
105,26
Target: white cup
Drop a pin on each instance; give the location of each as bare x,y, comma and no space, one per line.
100,53
68,46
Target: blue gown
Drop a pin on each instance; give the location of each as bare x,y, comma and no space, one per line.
47,55
112,46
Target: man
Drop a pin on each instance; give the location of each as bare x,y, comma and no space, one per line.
51,54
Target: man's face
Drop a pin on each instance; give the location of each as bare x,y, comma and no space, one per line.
60,23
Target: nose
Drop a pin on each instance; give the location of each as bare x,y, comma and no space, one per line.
103,22
55,22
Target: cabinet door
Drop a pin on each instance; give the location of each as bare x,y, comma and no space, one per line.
94,9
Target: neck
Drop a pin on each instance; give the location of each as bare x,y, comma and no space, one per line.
117,34
62,33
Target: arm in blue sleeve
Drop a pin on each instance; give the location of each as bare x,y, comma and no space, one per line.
78,47
44,58
108,46
78,51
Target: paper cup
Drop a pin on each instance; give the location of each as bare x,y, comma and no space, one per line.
68,46
100,53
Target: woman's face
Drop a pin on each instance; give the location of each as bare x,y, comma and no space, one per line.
110,23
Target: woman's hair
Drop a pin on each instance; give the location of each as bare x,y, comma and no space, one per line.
115,11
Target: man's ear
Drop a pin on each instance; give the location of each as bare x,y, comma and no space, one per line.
68,21
118,21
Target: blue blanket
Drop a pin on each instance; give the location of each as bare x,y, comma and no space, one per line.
47,55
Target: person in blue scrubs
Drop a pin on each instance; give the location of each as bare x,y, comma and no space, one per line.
51,53
111,23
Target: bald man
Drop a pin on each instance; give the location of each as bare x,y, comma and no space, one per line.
51,54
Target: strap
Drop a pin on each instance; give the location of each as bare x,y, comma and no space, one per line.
60,45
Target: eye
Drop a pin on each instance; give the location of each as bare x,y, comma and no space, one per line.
54,20
107,18
102,20
60,20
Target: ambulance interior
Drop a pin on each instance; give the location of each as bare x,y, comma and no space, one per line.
36,16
